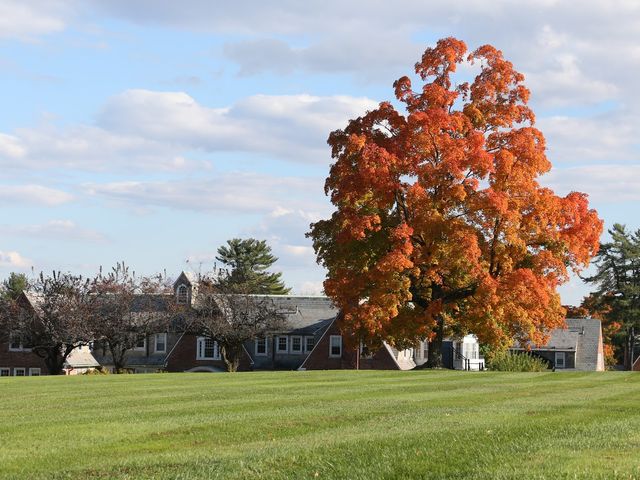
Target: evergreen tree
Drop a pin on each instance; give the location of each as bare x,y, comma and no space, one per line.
14,285
618,294
247,262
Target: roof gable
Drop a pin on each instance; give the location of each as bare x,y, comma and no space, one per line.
187,278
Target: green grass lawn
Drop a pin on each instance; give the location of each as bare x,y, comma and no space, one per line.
349,424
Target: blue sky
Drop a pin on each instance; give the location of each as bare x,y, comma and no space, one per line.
151,132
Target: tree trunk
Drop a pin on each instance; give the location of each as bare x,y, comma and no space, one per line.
231,356
54,360
119,357
629,347
434,355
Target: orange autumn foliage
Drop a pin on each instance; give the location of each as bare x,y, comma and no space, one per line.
440,225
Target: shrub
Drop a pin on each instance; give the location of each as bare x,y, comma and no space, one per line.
517,362
97,371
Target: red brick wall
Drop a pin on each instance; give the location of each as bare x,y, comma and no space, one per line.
25,360
319,358
183,357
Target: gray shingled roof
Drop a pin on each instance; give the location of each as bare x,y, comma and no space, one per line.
561,340
305,315
151,302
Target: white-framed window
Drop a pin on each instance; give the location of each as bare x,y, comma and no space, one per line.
5,372
19,372
470,350
421,350
160,343
207,349
335,346
261,347
282,344
296,344
182,294
141,344
309,343
16,343
560,360
34,372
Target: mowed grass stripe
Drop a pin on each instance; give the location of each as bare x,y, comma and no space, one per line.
348,424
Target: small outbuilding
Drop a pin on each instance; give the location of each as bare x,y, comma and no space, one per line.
577,347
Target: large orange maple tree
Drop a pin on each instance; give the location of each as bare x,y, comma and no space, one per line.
440,225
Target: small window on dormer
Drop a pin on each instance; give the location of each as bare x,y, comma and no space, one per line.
182,294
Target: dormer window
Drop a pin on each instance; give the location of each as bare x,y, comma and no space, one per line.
182,295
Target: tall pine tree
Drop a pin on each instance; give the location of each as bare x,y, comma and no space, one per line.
618,282
247,262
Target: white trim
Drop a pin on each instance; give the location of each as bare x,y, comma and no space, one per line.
291,350
306,345
7,371
251,362
278,349
15,372
143,348
186,294
34,372
21,348
266,348
155,343
331,354
390,352
166,359
201,349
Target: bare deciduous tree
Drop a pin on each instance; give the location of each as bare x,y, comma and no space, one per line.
231,319
125,309
51,318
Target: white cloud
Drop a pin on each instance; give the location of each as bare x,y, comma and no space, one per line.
11,147
234,192
285,229
565,83
371,39
32,194
56,229
298,250
148,130
370,58
603,183
606,137
584,57
293,127
12,259
91,148
27,20
200,259
309,288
